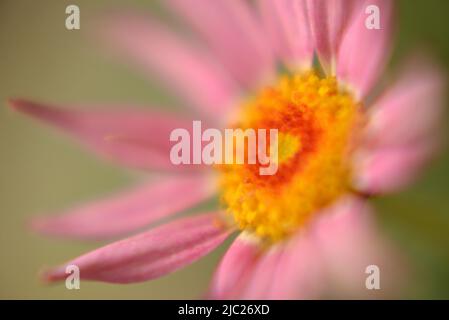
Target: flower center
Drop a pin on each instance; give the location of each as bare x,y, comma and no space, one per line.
316,121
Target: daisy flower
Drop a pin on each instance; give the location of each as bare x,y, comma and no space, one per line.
309,68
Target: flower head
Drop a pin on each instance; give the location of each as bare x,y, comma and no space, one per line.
308,228
317,123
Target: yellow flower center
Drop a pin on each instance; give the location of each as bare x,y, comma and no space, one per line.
316,121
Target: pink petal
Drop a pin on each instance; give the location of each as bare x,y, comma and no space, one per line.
133,138
364,52
411,110
292,269
149,255
233,33
288,270
384,170
287,24
263,274
350,241
329,20
234,269
300,273
128,212
184,66
328,257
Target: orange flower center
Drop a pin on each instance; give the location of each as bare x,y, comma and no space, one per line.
316,122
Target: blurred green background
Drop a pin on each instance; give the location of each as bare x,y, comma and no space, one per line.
42,172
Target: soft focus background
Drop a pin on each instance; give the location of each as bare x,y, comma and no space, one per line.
41,171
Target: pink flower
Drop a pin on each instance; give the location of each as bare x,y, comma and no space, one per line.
309,229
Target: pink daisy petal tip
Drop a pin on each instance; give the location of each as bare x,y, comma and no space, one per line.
49,276
19,104
412,109
151,254
128,211
144,135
